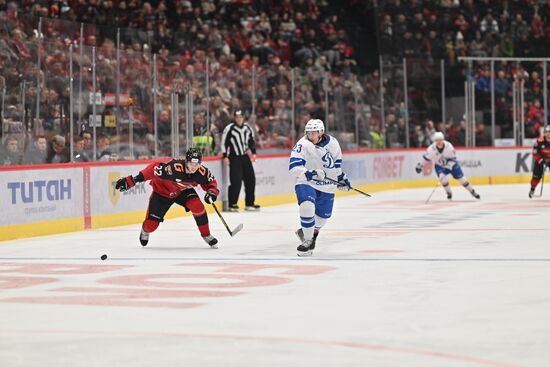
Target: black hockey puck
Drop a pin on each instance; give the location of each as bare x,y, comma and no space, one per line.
103,257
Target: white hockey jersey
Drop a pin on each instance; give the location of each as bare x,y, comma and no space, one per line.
307,156
446,158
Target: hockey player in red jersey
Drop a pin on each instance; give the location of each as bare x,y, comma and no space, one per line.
173,182
541,156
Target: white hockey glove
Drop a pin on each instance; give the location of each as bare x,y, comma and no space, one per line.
450,163
316,174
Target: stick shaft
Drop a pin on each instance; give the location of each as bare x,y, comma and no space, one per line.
221,218
429,197
351,188
542,183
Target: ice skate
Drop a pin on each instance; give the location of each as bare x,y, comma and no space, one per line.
233,208
531,193
475,194
450,195
252,208
211,241
143,238
305,248
300,234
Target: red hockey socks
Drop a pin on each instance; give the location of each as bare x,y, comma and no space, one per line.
199,213
150,225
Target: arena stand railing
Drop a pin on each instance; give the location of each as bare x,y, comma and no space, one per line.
134,109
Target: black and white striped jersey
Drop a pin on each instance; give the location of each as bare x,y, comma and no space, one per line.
236,140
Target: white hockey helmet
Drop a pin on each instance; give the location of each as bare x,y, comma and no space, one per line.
439,136
315,125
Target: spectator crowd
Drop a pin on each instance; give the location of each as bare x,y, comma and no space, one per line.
267,43
429,31
256,55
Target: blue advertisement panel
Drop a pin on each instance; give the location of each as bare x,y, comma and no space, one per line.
40,195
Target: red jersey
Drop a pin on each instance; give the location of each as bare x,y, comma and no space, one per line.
542,150
169,178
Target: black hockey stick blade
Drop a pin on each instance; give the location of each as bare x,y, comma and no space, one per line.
351,188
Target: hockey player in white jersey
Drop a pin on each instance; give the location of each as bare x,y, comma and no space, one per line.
443,154
315,157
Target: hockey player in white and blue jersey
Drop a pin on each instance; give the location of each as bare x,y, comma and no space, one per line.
314,158
443,154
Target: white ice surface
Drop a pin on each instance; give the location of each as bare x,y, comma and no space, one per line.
393,282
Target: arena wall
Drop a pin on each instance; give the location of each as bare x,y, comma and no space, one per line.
49,199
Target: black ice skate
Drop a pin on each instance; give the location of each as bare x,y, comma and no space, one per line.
475,194
252,208
300,234
531,193
233,208
305,248
450,195
143,238
211,241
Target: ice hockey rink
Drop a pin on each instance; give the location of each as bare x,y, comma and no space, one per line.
393,282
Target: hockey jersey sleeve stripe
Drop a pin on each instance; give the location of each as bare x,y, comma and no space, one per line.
426,158
296,164
295,159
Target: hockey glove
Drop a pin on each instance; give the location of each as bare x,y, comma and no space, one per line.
210,197
418,168
125,183
343,182
316,174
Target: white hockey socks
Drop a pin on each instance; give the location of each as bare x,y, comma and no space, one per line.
445,183
307,219
319,222
466,184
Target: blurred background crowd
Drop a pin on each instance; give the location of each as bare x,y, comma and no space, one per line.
283,62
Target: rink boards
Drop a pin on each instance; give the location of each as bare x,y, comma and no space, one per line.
48,199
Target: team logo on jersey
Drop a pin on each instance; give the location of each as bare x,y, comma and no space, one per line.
328,160
114,194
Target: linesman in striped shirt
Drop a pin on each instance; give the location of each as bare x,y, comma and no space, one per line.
237,141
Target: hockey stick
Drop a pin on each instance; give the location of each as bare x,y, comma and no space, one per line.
231,232
351,188
429,197
542,181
